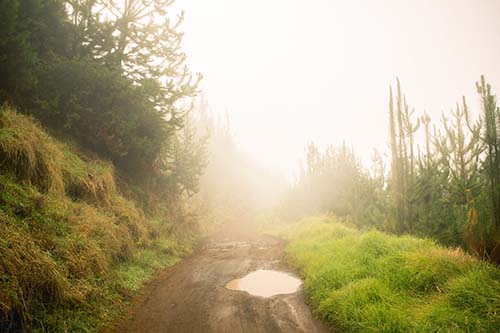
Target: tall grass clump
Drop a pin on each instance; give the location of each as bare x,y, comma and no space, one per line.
28,152
369,281
71,246
91,180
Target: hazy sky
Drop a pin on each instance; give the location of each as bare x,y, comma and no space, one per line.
288,72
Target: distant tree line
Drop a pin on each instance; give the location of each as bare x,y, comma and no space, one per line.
111,76
447,188
234,187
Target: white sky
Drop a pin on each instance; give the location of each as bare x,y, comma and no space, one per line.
288,72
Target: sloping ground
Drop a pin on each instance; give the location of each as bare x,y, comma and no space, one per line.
373,282
71,247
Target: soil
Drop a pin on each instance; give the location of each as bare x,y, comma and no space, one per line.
191,297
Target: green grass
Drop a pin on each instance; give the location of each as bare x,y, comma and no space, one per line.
67,266
134,275
369,281
72,247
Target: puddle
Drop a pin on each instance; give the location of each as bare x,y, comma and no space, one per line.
230,245
266,283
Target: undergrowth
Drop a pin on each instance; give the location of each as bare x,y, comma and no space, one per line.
369,281
72,248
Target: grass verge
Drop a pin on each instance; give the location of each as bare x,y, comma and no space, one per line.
369,281
72,248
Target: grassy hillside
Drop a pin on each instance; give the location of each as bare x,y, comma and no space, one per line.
374,282
71,246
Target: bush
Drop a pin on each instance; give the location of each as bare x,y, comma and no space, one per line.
103,111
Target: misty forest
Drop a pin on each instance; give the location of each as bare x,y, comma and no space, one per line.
128,202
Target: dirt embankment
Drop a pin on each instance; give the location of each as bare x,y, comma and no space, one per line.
192,297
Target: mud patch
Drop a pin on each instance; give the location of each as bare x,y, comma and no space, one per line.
266,283
191,296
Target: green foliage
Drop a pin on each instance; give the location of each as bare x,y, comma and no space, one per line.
472,304
28,29
333,181
71,246
402,182
449,190
182,161
103,111
374,282
132,276
115,83
445,195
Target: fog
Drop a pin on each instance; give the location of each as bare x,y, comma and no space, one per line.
287,72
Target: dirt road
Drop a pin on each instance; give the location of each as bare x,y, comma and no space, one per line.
192,297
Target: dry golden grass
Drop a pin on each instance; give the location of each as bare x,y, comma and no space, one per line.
90,180
67,235
29,152
26,271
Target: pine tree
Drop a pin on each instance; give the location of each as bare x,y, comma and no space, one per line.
402,132
395,184
491,121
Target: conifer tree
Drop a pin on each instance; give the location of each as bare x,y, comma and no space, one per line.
491,121
395,184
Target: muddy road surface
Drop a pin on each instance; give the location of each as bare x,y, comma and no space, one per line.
192,297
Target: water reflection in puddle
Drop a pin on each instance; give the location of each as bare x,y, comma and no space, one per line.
266,283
